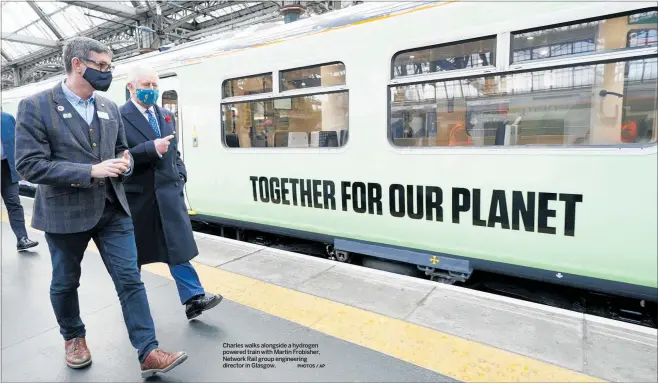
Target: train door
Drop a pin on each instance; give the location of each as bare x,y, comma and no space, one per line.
169,100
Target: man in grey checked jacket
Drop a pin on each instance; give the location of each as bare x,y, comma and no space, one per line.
71,142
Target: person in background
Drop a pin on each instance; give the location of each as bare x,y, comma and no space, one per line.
163,230
71,142
9,184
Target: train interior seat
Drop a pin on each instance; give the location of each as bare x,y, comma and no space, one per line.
258,142
501,129
343,137
281,139
298,140
232,141
324,139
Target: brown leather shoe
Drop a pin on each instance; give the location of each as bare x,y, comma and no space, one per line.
77,353
161,361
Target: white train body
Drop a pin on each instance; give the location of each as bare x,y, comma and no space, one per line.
594,220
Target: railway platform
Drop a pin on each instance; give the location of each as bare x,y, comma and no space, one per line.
351,323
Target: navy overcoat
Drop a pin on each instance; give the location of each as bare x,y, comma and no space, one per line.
163,231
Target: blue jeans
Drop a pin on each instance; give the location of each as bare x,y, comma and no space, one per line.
187,281
114,237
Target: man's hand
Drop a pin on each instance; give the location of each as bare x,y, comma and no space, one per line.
126,159
111,168
162,144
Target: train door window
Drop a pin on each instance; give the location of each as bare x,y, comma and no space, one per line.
170,102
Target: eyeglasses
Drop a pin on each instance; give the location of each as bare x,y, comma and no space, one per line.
103,67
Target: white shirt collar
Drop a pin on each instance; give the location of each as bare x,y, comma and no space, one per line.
74,99
141,109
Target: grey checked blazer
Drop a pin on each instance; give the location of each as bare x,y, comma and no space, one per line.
58,158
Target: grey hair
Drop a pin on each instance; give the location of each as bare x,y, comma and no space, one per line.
139,71
80,47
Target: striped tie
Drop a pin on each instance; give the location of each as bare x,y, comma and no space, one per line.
154,123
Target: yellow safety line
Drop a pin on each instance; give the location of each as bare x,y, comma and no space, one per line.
461,359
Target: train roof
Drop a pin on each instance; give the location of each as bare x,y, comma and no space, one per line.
269,33
249,37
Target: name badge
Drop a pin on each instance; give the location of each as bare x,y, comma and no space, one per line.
67,115
103,115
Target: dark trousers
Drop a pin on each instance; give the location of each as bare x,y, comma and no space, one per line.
115,240
187,281
12,200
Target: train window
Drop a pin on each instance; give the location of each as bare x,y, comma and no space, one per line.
584,38
464,55
319,120
612,103
320,75
245,86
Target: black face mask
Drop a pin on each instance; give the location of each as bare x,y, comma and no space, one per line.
97,79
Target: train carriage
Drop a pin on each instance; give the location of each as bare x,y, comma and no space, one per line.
517,138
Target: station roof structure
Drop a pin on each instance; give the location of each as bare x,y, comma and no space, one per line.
33,32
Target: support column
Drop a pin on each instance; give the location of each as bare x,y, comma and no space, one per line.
17,76
291,12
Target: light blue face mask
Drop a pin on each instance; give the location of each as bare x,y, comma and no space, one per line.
148,96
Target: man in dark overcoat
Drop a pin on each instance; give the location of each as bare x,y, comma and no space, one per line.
163,231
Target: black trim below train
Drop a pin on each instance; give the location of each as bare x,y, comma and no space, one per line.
409,255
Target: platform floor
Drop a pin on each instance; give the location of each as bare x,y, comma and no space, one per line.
368,325
32,348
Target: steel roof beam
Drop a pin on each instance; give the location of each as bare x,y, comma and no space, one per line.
109,28
184,20
220,21
244,21
229,23
46,20
30,40
6,56
34,22
95,32
111,8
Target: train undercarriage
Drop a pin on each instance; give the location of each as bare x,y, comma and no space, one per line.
635,311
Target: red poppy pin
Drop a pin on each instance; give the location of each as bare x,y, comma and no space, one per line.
168,118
